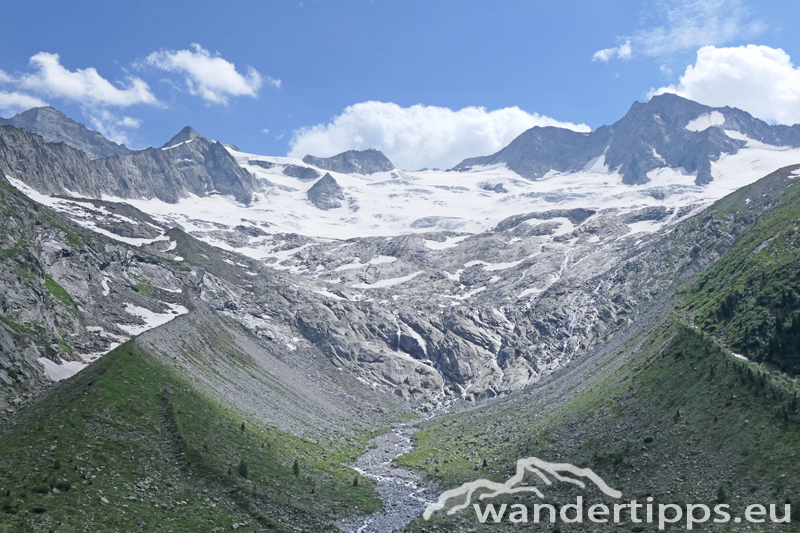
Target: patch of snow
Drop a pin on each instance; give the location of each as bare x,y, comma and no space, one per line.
738,356
106,288
646,226
150,318
66,369
386,282
528,292
176,145
172,246
705,121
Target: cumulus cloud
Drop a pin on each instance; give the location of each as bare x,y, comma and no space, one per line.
419,136
681,25
84,86
13,103
758,79
622,51
210,76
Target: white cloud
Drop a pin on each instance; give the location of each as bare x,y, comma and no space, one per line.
111,125
84,86
265,131
623,51
210,76
682,25
419,136
13,103
758,79
4,78
130,122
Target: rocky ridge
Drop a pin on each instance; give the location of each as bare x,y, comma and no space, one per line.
195,165
353,162
56,127
666,132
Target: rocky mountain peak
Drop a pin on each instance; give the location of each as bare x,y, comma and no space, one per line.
326,193
668,131
353,162
54,127
186,134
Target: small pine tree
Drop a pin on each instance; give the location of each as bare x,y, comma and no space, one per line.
484,462
721,494
230,471
243,469
355,481
677,416
57,465
242,427
296,468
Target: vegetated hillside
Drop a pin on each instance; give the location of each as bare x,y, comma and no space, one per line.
190,426
662,410
751,297
131,444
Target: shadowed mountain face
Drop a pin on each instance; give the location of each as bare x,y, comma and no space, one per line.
188,164
54,127
353,162
666,132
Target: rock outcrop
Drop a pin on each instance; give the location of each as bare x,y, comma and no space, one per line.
353,162
326,193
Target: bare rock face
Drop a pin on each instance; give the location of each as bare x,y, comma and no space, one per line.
56,127
353,162
301,173
188,164
326,193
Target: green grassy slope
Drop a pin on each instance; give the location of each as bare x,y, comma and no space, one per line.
751,296
130,445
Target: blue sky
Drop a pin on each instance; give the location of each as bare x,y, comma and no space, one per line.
237,69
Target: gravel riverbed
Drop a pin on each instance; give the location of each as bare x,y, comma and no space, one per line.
403,492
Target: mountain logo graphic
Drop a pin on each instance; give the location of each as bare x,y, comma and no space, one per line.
462,496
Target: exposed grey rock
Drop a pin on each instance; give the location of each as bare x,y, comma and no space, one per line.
326,193
650,136
55,127
353,162
497,187
260,163
301,173
576,216
188,164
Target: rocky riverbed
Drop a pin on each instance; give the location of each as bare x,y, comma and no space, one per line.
403,492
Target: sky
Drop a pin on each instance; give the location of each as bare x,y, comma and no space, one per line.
428,82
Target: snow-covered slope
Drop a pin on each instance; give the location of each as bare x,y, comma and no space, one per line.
399,202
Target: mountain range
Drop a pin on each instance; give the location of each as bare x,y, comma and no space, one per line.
244,326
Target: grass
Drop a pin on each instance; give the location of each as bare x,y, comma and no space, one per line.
57,290
133,433
752,294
